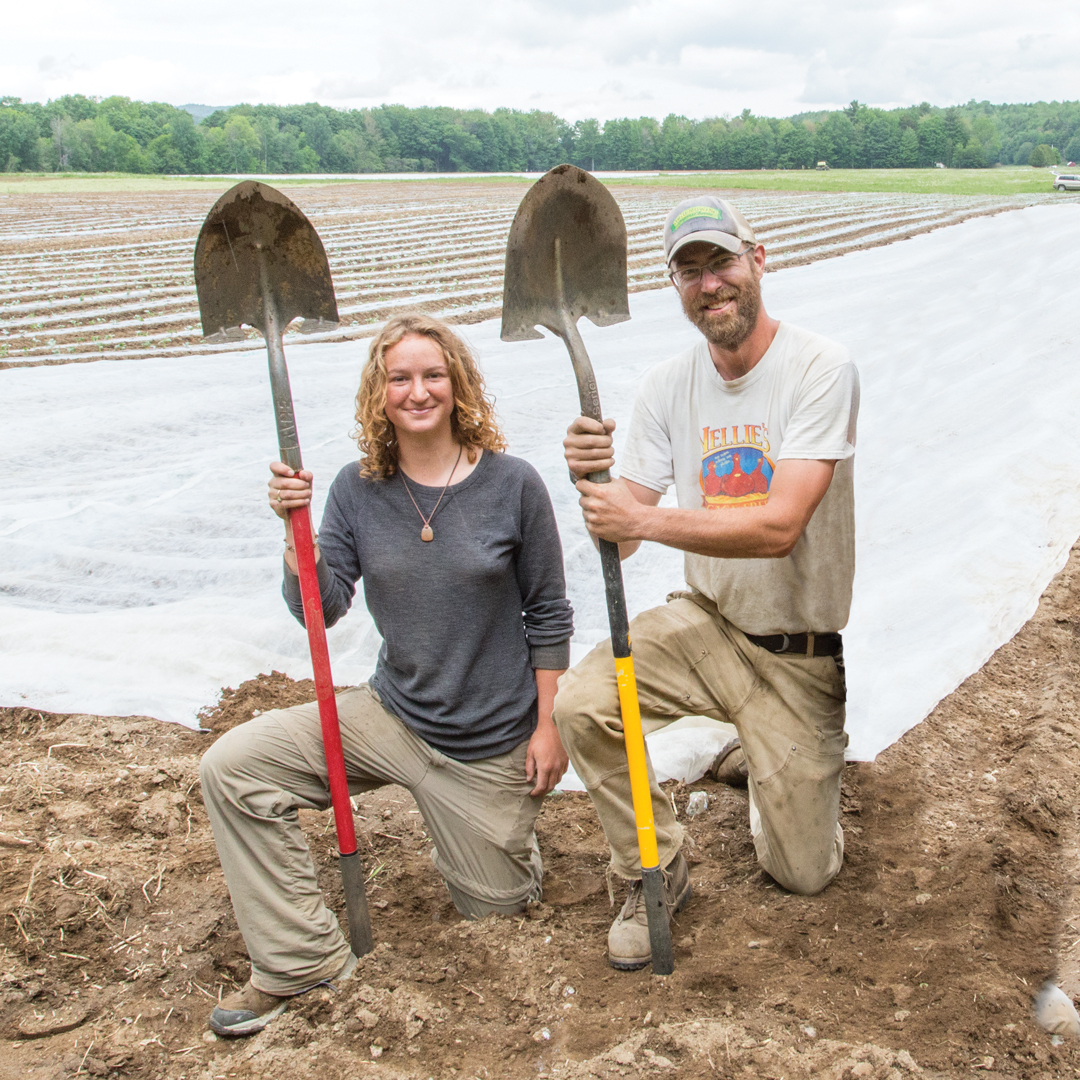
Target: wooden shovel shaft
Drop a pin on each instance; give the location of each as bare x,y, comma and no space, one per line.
619,624
360,938
663,962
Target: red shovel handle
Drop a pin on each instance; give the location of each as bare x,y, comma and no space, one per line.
300,519
352,867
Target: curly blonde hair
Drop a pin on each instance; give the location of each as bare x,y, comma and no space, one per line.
472,422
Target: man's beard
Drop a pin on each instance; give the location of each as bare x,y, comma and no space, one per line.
728,331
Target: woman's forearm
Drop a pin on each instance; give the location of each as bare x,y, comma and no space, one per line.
547,683
290,548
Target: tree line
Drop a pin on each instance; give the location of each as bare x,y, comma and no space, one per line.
116,134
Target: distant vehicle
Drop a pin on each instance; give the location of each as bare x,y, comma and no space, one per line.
1067,182
939,164
822,165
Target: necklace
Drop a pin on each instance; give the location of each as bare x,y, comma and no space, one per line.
426,533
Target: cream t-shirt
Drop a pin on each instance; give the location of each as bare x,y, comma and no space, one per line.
718,443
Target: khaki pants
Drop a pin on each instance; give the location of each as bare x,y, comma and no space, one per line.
254,779
788,710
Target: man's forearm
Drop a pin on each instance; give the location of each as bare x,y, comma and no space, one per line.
731,533
627,512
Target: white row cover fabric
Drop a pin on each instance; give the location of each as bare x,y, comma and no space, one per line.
140,565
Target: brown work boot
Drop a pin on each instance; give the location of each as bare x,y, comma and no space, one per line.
628,939
249,1009
246,1011
729,766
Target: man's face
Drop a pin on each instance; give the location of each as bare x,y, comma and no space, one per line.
725,305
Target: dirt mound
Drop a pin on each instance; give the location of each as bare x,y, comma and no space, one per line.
922,958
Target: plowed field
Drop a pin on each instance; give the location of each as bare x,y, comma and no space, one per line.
96,275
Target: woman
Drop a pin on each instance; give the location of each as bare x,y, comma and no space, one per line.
462,568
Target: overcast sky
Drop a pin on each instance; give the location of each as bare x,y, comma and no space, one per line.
577,58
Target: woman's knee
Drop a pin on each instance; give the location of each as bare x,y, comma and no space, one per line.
246,763
222,760
473,907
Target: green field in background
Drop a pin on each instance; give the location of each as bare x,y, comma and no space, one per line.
1005,180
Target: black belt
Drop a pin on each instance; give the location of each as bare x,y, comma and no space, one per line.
801,644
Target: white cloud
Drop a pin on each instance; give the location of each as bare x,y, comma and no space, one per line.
578,58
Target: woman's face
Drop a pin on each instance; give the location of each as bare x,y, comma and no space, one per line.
419,394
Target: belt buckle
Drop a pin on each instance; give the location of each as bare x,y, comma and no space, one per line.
785,645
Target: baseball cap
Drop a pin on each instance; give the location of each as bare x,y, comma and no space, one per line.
709,219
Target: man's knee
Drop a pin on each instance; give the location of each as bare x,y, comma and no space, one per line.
808,876
804,882
575,712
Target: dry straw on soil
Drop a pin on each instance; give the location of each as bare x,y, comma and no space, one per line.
955,903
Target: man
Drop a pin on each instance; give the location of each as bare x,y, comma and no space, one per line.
755,427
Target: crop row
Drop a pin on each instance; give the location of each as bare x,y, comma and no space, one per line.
100,277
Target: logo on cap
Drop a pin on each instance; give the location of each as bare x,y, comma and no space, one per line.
696,212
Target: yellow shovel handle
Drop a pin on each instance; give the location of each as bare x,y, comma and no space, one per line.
635,757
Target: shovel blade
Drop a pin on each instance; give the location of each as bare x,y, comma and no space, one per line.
252,224
569,204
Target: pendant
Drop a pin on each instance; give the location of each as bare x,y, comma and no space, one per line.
426,534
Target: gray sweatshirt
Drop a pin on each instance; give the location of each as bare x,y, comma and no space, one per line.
465,618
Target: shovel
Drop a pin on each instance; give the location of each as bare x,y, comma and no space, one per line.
565,258
259,261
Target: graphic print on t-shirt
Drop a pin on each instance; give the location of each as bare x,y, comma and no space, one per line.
735,467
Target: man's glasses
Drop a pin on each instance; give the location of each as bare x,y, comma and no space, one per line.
688,276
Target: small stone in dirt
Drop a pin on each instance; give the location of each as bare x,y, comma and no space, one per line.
376,1051
809,1032
901,1015
368,1018
657,1061
923,898
542,1035
906,1061
209,1037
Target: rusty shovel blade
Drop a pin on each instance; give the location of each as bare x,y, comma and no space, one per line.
249,227
565,257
